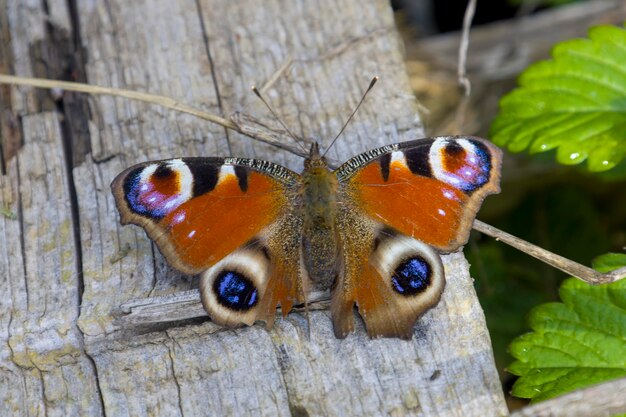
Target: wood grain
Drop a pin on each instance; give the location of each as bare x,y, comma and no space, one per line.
601,400
71,266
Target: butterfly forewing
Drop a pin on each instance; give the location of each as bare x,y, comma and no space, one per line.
204,211
428,189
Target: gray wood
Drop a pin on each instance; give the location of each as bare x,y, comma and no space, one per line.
71,268
601,400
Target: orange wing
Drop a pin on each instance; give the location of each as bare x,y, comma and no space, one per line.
227,218
428,189
198,210
400,204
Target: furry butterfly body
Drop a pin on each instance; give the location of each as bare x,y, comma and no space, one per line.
261,235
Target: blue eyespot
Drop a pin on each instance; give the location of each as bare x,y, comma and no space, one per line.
143,199
131,191
235,291
478,173
412,276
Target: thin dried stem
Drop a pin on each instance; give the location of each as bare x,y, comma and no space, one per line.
187,305
464,46
568,266
159,100
464,82
164,101
277,74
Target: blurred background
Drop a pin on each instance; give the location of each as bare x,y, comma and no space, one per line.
564,209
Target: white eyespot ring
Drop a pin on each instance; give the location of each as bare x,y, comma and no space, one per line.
232,288
394,251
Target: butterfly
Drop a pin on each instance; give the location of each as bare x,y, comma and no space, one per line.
260,235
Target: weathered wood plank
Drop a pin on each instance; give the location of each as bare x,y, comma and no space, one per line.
207,53
44,368
601,400
45,347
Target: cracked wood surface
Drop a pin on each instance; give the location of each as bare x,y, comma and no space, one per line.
67,265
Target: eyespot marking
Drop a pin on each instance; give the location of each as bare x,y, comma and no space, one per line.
231,290
234,291
156,190
163,172
412,276
463,163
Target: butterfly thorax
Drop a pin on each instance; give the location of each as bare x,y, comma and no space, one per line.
319,238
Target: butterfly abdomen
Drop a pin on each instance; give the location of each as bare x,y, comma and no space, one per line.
319,237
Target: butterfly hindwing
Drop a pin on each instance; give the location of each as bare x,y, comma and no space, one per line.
248,284
213,215
413,199
392,278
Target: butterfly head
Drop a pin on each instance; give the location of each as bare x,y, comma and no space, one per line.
315,159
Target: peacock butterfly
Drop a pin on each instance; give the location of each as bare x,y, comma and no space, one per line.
261,235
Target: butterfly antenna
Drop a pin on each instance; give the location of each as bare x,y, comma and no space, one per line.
372,83
294,137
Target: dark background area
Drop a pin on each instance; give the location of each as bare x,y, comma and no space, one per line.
564,209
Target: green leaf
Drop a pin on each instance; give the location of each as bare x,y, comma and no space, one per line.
576,343
575,103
